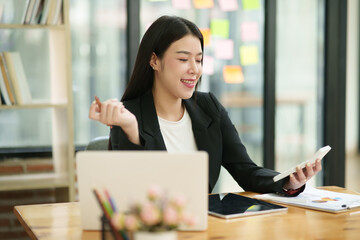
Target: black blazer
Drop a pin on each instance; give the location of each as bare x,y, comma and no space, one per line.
213,132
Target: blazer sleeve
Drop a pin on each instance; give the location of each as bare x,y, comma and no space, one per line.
119,140
236,160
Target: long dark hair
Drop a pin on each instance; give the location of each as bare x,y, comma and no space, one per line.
157,39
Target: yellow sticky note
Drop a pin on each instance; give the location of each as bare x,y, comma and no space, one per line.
206,35
203,3
220,27
249,55
233,74
251,4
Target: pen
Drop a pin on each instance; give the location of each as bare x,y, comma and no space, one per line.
111,200
98,102
104,206
107,207
351,204
107,215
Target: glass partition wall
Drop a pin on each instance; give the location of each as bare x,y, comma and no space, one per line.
233,71
98,37
299,82
233,62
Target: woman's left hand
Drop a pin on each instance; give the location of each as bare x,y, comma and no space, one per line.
301,176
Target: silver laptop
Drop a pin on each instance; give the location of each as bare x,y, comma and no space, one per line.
127,175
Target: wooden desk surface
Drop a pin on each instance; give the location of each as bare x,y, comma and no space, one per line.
62,221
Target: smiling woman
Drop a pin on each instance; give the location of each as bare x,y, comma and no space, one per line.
176,75
161,110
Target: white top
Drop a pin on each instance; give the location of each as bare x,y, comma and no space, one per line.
178,136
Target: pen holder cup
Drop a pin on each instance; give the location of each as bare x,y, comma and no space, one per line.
106,231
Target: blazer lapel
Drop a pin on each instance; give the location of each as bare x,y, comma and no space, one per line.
200,124
200,120
207,136
150,126
207,133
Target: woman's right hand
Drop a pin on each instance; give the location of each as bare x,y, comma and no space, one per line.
113,113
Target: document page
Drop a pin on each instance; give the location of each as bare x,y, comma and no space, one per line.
317,199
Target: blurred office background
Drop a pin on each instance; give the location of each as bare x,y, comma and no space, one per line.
236,33
286,71
235,70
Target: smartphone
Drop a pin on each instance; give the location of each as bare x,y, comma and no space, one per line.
318,155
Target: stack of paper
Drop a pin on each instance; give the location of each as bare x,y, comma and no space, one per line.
317,199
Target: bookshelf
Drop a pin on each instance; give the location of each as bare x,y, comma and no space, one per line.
60,104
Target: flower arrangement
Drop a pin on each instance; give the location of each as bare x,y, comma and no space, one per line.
159,213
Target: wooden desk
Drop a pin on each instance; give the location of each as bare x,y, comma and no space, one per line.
62,221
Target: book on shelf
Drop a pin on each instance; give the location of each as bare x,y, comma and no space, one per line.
3,92
1,13
45,11
18,77
58,10
54,12
5,84
36,12
13,12
1,98
29,11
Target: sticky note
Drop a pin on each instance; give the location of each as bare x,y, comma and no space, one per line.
220,27
203,3
249,31
249,55
206,35
228,5
208,65
181,4
224,49
251,4
233,74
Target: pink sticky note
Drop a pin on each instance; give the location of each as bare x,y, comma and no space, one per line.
228,5
249,31
224,49
208,65
181,4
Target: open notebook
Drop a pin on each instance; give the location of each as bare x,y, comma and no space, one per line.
317,199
